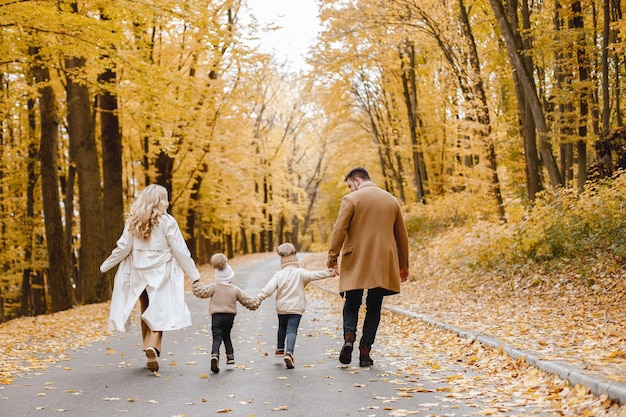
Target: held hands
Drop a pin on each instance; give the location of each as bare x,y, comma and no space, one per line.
254,303
198,289
334,270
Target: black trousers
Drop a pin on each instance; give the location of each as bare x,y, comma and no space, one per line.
373,304
221,325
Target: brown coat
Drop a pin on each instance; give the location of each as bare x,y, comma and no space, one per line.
371,237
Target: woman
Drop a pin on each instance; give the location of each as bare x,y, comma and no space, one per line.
153,258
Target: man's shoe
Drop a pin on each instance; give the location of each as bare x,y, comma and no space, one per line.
289,362
280,353
345,356
153,359
215,364
230,359
364,356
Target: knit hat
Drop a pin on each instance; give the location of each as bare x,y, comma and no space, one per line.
223,272
288,255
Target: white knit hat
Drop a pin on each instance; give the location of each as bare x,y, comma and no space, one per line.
288,255
223,271
224,275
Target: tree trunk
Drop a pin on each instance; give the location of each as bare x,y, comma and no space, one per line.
606,97
58,258
192,212
164,166
482,110
409,86
565,110
96,288
33,151
527,84
617,63
583,101
112,169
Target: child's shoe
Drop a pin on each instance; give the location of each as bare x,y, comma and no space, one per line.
230,359
215,363
289,362
280,353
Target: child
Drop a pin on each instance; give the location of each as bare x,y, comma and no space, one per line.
223,307
289,283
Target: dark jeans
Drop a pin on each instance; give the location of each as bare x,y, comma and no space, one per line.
351,306
288,329
221,325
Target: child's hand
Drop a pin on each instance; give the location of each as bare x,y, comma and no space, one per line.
334,271
253,303
198,289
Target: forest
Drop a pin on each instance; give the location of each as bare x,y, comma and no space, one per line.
502,119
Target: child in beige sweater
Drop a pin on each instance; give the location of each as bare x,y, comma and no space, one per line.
289,285
223,307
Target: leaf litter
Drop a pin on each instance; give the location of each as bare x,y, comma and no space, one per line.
581,325
557,319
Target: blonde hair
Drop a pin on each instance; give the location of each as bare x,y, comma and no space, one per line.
146,209
219,261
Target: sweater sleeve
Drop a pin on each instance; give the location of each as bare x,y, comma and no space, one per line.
309,276
269,288
251,303
201,290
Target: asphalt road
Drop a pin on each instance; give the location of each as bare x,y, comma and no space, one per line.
110,378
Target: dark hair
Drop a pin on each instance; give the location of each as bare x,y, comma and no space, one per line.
359,172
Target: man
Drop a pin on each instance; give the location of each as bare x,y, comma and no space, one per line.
371,237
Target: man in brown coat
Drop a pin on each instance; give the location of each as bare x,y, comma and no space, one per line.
371,237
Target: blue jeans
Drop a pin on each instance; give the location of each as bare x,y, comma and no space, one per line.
351,306
288,329
221,325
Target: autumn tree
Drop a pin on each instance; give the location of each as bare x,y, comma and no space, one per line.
59,268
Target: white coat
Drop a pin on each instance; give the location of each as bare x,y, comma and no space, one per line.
156,265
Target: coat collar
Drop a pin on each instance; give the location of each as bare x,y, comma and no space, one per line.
367,184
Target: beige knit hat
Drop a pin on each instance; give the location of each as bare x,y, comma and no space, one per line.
223,272
288,255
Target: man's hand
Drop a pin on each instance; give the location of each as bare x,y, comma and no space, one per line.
404,275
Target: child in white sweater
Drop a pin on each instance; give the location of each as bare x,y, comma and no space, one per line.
223,307
289,283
